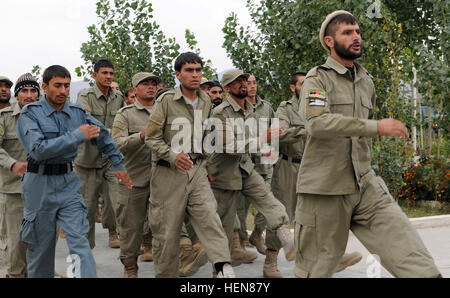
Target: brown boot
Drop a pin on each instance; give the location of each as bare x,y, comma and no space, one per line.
147,255
246,243
270,269
257,240
16,275
238,254
130,267
114,241
98,214
349,260
192,257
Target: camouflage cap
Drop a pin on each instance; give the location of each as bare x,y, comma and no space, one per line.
325,24
206,81
231,75
5,79
142,76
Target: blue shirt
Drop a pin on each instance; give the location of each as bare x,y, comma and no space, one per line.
52,136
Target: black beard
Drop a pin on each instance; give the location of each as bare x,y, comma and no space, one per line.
5,100
241,95
345,53
217,102
297,94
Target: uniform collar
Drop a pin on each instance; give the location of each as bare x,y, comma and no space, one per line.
140,106
237,107
202,100
16,109
99,94
341,69
48,109
258,102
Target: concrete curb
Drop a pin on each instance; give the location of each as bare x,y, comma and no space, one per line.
430,221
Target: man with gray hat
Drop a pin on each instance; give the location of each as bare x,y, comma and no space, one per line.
232,173
128,132
5,91
337,188
13,164
94,168
181,113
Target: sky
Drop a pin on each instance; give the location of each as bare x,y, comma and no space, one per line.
47,32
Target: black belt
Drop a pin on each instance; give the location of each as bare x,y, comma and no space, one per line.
166,164
50,169
294,159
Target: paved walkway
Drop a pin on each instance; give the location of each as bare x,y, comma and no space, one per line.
437,240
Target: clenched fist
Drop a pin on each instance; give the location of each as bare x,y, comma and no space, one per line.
90,131
391,127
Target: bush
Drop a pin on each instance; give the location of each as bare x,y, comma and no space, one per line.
429,180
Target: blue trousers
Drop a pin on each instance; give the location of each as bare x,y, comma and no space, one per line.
49,200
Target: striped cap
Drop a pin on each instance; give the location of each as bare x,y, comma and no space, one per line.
26,80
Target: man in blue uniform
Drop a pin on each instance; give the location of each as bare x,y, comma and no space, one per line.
50,131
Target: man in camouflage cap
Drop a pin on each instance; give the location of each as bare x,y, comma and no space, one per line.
232,173
129,134
337,188
5,91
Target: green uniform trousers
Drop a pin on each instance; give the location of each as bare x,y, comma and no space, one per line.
323,223
11,209
258,193
131,216
242,212
96,183
188,193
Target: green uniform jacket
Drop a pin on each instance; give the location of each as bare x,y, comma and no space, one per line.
263,109
126,132
104,109
227,168
11,150
292,142
169,115
338,147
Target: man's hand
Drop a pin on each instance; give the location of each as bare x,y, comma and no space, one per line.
210,178
183,162
90,131
391,127
271,132
19,168
143,134
124,178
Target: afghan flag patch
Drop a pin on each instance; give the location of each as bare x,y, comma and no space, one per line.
317,98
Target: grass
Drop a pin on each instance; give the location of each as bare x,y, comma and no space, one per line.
422,211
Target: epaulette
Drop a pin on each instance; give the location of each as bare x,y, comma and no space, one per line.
313,71
163,92
125,107
220,107
267,102
283,103
6,110
77,106
86,91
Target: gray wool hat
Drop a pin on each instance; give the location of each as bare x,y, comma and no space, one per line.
325,24
26,80
231,75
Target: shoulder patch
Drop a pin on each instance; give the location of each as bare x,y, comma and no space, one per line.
8,109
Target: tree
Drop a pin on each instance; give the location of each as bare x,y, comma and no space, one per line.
284,39
128,36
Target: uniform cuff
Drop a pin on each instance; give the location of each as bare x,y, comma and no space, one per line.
119,167
172,157
9,162
371,128
79,135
